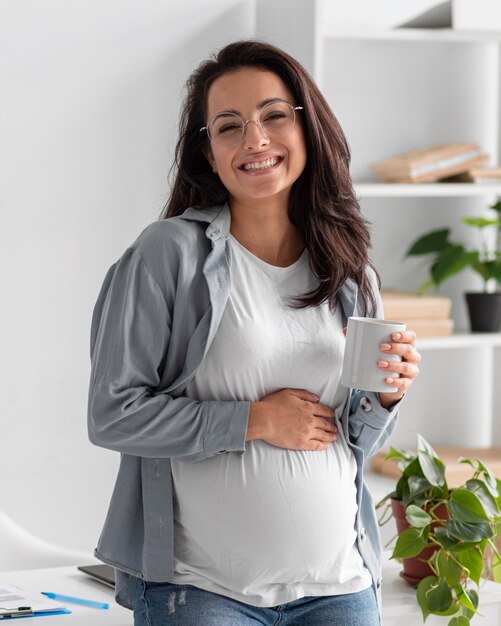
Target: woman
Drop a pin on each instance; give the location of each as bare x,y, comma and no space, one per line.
217,342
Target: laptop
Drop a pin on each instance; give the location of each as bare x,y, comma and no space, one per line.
103,573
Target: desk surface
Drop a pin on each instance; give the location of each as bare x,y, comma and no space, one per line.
399,599
70,582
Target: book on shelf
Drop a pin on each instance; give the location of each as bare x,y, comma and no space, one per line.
430,164
431,328
414,306
427,316
479,175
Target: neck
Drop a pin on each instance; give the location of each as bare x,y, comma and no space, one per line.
266,231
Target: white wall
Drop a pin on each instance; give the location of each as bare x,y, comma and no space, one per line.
89,102
89,98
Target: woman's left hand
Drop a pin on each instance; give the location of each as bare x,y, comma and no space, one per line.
403,344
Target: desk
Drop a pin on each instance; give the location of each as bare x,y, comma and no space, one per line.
69,581
399,599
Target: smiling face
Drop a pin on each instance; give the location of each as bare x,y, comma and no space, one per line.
260,167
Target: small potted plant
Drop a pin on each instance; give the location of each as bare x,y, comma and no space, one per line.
448,257
444,533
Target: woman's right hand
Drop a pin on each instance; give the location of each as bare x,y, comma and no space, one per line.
292,419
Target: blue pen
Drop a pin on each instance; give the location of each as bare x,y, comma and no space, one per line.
72,600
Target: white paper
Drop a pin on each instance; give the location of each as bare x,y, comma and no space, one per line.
12,597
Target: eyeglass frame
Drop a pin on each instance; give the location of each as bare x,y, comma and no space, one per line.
245,122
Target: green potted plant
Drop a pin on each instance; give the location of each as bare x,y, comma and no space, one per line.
448,257
444,533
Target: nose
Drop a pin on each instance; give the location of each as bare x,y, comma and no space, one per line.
254,136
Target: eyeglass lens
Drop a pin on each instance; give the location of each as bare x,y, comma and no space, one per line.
227,129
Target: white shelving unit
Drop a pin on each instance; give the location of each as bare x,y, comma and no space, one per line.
394,90
429,190
412,34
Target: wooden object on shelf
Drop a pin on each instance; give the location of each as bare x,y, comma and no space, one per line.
427,316
414,306
489,175
430,164
455,473
431,328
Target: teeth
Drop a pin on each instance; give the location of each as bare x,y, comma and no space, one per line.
260,165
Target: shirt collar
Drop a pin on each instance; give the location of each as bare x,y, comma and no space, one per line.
218,218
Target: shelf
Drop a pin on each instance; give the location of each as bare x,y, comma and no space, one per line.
460,340
418,34
425,190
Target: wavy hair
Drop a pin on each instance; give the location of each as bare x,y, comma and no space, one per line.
322,202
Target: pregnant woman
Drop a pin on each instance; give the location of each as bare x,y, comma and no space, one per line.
217,343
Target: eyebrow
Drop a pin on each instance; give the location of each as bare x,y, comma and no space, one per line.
262,104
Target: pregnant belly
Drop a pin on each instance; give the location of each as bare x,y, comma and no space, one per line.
269,514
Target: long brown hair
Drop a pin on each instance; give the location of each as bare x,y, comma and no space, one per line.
322,202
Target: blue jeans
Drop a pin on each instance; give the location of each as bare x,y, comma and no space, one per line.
167,604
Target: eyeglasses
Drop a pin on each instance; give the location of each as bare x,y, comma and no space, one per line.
276,118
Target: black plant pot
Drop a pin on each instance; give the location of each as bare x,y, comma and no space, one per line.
485,311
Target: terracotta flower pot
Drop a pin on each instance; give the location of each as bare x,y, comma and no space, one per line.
415,568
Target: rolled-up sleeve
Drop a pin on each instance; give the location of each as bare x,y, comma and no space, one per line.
127,409
370,425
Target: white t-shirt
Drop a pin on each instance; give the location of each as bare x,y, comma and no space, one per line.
271,525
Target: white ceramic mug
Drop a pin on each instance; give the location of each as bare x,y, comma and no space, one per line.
362,352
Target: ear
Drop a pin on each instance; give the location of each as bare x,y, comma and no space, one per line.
210,157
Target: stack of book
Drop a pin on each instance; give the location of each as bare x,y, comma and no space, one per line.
430,164
427,316
481,175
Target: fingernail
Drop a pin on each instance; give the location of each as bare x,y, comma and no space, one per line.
389,381
385,346
396,336
382,363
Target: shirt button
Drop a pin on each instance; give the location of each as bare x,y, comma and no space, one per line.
378,582
365,404
363,534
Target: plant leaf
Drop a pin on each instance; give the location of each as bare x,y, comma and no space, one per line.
417,486
423,287
473,595
395,453
443,538
467,599
422,594
433,468
484,495
409,543
440,597
490,479
416,516
464,505
413,469
460,620
448,567
424,446
492,269
472,561
468,545
480,222
434,241
452,261
467,531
